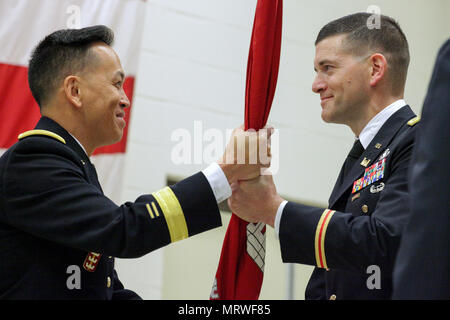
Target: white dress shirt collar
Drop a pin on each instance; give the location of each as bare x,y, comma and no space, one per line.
374,125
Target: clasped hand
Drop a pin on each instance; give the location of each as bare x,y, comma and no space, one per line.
254,195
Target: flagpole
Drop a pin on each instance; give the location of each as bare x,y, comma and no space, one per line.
290,281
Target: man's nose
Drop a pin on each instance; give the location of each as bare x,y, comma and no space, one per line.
124,101
318,85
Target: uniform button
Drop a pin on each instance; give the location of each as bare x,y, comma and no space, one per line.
365,208
108,282
333,297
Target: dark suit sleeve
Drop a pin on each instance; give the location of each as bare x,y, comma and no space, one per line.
347,240
46,194
423,262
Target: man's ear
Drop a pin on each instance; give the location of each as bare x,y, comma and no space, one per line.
378,65
72,90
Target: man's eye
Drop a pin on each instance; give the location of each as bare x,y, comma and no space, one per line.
119,84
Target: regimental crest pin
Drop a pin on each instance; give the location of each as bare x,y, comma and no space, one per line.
365,162
385,154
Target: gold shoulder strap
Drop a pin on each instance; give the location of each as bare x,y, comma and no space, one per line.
413,121
41,133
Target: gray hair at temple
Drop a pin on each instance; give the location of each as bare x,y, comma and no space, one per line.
387,39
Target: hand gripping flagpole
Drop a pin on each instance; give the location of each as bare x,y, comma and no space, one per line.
241,267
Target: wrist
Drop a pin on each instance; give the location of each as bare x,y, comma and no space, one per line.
229,171
273,211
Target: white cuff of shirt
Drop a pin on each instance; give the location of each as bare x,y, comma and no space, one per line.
218,182
278,217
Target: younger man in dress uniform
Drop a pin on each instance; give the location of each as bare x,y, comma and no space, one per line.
361,74
54,218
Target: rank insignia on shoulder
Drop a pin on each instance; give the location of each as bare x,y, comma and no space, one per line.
372,174
413,121
91,261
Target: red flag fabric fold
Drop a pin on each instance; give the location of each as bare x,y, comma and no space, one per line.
241,267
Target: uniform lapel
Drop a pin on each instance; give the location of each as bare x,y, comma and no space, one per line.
88,168
94,177
51,125
383,138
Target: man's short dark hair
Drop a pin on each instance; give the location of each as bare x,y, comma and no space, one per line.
62,53
386,38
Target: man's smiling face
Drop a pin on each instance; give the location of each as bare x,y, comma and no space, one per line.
342,80
104,97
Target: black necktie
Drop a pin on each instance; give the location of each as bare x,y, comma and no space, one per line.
356,151
354,154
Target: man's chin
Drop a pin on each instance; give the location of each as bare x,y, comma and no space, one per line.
119,137
330,115
114,139
326,117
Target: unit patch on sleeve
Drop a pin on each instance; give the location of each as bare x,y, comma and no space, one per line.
91,261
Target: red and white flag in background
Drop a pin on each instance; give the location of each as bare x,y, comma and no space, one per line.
23,23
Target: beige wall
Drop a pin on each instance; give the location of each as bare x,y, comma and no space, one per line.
192,67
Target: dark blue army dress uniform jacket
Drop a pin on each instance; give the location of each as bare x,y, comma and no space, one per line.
55,220
354,241
422,268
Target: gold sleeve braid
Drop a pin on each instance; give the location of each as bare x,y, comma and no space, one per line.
173,213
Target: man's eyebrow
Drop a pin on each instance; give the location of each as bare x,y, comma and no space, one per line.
120,73
325,61
322,62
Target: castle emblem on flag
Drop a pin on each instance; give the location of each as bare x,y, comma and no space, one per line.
256,243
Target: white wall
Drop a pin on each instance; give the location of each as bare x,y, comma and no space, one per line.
192,67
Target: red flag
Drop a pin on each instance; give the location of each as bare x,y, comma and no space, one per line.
241,266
